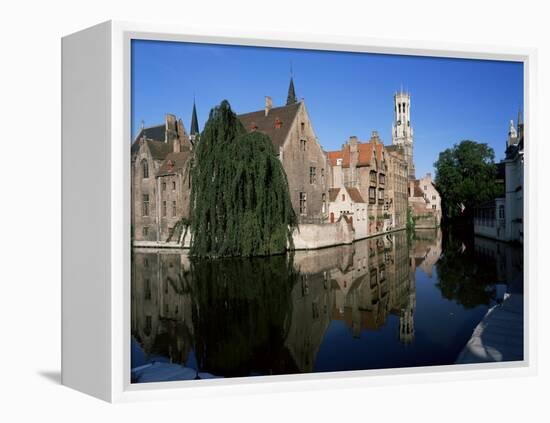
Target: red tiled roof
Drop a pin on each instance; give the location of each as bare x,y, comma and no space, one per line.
355,195
173,163
276,124
333,194
365,154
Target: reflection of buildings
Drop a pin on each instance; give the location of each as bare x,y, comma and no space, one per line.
426,249
507,258
161,304
360,284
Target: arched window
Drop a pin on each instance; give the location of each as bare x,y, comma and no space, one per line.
145,169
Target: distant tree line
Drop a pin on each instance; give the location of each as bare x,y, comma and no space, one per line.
466,178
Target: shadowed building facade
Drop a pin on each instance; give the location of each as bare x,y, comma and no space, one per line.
160,185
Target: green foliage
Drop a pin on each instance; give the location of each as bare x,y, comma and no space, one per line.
248,308
465,277
466,175
239,197
411,223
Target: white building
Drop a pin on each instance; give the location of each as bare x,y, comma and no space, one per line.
502,218
432,197
348,202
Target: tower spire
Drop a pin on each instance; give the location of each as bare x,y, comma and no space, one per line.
291,97
194,121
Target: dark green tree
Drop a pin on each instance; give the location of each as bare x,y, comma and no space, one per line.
466,176
240,205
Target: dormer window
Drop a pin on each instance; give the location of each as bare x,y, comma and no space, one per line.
278,123
170,164
253,126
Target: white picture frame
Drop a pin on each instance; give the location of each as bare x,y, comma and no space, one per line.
96,161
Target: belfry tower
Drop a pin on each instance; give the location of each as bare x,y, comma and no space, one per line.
402,131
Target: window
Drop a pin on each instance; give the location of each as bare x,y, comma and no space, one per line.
148,325
173,185
324,201
380,194
501,212
433,206
303,203
145,230
145,262
433,197
343,197
425,187
303,145
145,169
163,186
173,209
147,293
312,172
373,176
322,174
145,205
382,178
302,126
372,194
164,209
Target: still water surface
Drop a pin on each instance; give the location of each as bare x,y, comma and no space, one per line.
383,302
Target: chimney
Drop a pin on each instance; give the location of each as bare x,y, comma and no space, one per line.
177,145
170,128
268,104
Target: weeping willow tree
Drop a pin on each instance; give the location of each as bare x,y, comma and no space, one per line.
240,205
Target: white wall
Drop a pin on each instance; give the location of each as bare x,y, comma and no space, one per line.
30,111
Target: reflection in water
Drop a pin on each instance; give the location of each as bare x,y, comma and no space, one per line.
344,308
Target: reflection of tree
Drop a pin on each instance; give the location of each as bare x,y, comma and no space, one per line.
241,314
464,277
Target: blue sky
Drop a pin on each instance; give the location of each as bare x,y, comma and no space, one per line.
345,93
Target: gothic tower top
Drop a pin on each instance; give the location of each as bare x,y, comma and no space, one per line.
402,131
291,98
194,122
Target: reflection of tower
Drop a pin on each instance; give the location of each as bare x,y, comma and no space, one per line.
402,131
406,318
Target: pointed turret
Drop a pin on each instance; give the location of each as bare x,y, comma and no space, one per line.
194,123
291,98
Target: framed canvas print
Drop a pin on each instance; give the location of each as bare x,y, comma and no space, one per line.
271,212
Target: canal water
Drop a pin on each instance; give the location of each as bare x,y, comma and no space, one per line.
385,302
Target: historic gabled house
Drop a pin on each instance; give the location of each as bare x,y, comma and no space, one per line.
306,166
160,186
425,202
364,166
348,202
